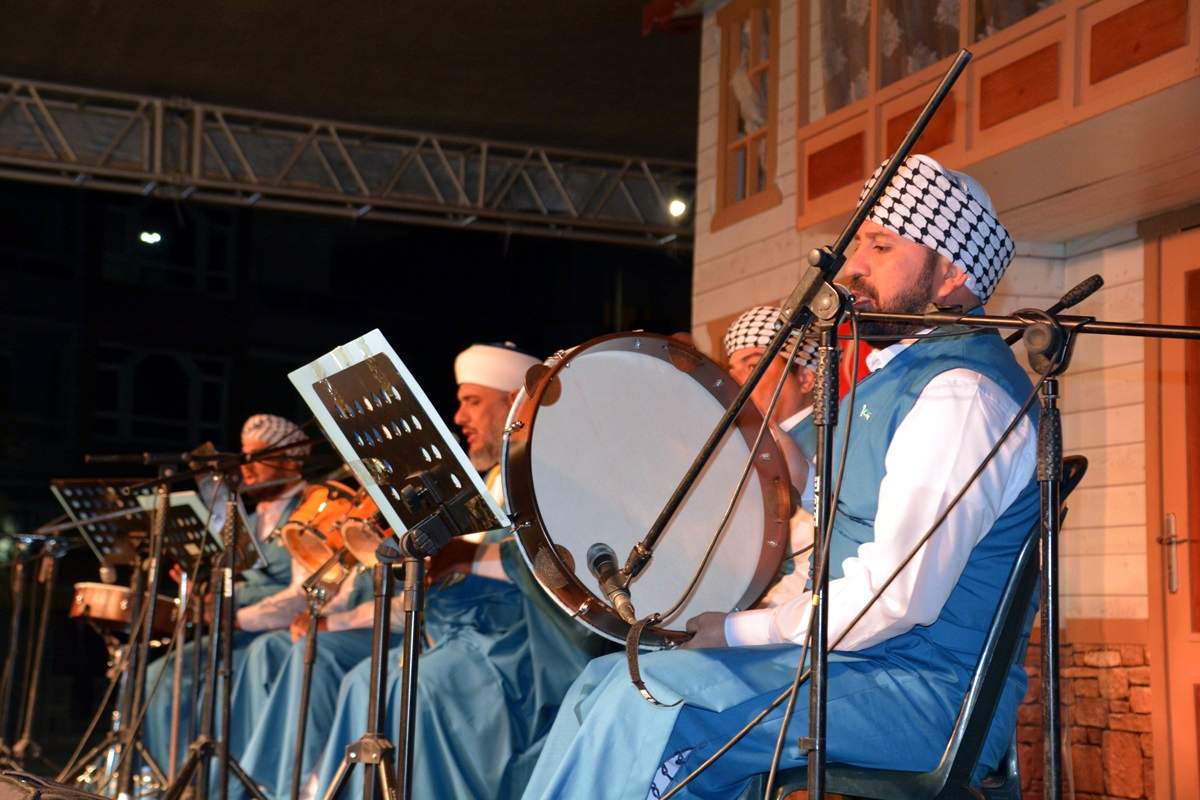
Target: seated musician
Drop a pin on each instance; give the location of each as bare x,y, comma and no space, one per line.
501,657
274,485
924,420
745,342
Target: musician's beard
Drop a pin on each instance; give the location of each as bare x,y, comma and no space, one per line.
915,299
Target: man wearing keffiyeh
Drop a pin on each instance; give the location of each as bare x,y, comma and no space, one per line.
922,423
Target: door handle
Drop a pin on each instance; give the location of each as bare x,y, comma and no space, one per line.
1172,542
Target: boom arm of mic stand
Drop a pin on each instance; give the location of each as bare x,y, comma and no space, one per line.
812,296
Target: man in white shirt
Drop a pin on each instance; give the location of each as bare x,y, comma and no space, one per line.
924,421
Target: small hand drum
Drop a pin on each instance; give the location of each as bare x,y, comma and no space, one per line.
360,530
311,533
598,440
110,608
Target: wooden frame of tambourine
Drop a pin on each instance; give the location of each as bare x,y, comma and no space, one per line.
374,425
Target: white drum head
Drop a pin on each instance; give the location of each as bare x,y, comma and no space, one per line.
597,448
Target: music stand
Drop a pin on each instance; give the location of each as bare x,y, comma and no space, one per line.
377,417
193,530
113,524
105,516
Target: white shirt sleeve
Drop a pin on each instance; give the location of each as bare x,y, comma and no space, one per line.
363,616
277,611
792,584
968,412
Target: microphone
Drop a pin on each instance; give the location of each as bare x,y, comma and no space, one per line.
602,563
147,459
108,573
1080,292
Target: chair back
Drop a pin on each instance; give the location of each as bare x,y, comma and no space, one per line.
1003,645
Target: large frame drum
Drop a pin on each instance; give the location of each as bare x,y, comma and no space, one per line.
597,441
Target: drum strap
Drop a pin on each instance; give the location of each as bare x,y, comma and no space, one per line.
632,641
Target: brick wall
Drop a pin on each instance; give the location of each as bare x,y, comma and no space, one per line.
1106,710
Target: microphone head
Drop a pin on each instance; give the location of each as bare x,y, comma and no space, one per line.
1082,291
598,551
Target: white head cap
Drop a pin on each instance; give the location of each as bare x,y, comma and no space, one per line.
496,366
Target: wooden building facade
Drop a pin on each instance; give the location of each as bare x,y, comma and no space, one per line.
1082,119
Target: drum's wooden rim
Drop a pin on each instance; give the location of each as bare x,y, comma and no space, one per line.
534,539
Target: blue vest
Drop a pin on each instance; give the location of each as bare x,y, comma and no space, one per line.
882,402
275,574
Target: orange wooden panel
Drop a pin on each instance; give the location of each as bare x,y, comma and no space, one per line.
1019,87
938,133
837,165
1136,35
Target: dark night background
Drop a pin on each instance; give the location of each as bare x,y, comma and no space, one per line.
110,345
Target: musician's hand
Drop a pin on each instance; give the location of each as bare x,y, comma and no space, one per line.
299,626
209,612
708,630
176,573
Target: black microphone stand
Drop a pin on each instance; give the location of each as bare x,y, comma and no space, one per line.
373,749
425,538
142,647
9,678
220,671
26,747
315,594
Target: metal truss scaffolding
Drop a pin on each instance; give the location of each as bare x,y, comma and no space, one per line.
180,149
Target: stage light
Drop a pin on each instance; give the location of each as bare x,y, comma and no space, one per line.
150,237
677,208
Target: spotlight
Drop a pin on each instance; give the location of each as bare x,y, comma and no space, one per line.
150,237
677,208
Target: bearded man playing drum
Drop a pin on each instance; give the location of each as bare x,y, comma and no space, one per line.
928,415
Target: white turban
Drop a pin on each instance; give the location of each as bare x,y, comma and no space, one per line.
274,431
496,366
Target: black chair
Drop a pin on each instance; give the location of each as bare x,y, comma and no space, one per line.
951,778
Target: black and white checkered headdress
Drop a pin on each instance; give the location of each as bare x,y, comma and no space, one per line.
756,327
273,431
948,212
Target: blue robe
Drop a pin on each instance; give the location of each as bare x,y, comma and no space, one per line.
268,754
891,706
266,697
255,585
502,655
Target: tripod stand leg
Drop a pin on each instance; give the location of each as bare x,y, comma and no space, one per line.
339,777
155,770
197,757
387,781
247,782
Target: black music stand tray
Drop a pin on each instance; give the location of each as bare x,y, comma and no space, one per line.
375,414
